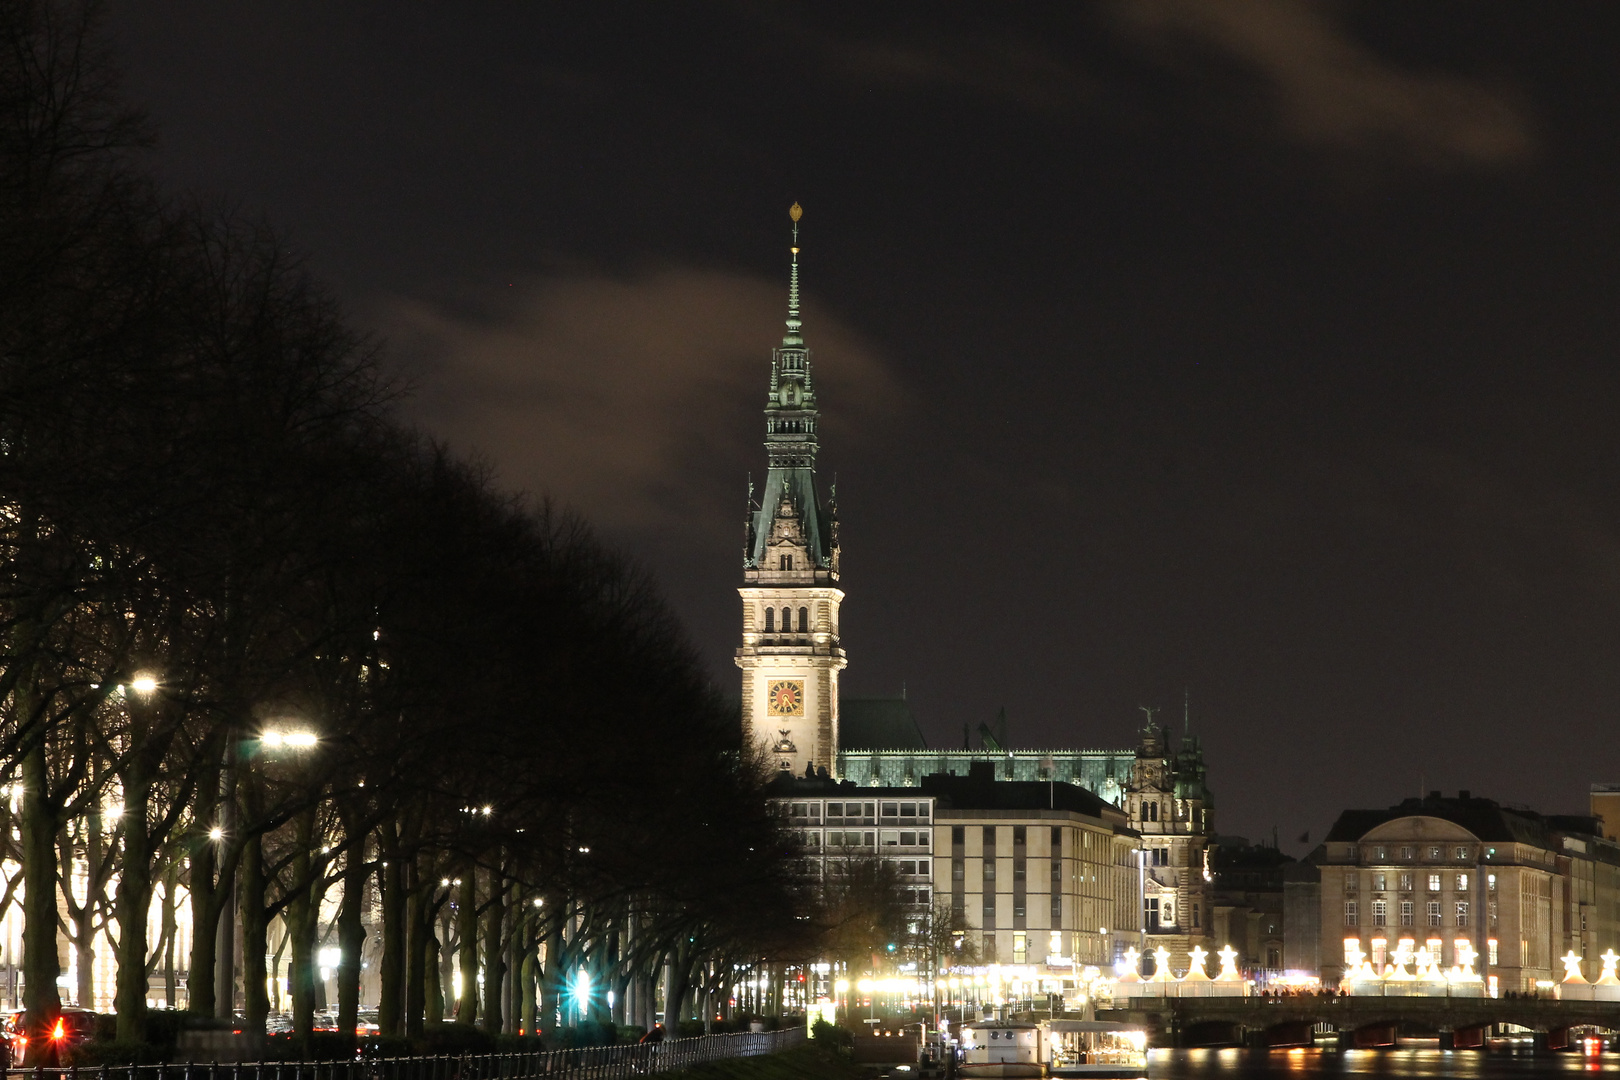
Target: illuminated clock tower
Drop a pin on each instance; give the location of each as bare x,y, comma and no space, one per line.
791,655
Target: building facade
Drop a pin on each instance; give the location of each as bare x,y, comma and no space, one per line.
791,654
1170,806
1510,890
1249,904
1039,873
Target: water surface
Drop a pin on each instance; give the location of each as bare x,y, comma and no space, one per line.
1421,1062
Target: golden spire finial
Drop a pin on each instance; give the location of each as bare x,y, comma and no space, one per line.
795,212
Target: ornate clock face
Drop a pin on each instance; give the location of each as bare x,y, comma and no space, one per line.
787,698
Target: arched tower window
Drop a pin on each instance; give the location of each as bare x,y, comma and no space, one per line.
804,620
787,620
770,620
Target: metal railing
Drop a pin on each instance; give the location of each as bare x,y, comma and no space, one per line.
587,1063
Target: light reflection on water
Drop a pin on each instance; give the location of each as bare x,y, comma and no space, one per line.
1418,1062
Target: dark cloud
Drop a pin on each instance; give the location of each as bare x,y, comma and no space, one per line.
1330,90
618,395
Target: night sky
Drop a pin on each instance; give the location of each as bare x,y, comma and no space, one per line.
1263,351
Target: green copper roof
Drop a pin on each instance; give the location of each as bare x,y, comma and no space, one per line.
878,724
791,417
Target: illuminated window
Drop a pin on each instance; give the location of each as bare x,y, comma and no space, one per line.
1406,883
1436,950
1462,882
1490,882
1434,913
1490,951
1352,950
1378,883
1462,913
1352,881
1408,853
1380,951
1434,882
1020,948
1380,913
1383,855
1351,909
1406,913
1462,854
1434,854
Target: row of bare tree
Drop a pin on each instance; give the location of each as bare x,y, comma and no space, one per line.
213,532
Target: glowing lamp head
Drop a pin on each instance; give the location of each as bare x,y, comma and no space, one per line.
216,833
143,684
59,1030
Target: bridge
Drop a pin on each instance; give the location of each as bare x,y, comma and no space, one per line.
1461,1023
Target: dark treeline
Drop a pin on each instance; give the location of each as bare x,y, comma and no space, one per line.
216,537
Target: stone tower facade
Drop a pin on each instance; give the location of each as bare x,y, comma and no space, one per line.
791,654
1169,803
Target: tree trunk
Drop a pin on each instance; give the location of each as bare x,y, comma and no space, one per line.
494,953
171,929
207,896
467,947
680,984
419,917
528,970
442,924
351,934
303,914
391,886
41,964
433,976
551,983
134,902
255,937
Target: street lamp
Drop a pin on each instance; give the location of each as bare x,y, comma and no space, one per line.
296,740
143,684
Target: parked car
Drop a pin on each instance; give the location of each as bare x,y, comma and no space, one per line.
73,1026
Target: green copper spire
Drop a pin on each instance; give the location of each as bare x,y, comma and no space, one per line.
791,419
793,339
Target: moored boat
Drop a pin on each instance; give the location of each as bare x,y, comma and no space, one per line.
1001,1049
1093,1048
